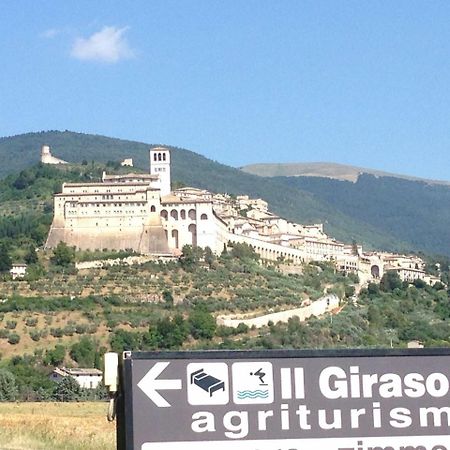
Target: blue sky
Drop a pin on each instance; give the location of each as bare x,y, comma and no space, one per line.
355,82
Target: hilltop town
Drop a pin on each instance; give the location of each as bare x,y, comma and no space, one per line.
128,259
140,212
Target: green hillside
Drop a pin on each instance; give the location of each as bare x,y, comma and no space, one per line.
192,169
412,211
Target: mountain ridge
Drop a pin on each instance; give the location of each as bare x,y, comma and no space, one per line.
337,171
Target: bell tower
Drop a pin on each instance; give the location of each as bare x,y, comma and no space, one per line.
160,165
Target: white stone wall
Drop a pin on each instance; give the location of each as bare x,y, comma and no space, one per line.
317,308
269,251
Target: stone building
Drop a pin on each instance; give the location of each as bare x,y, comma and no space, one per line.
140,212
135,211
86,378
48,158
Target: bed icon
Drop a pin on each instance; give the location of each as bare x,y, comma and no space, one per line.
207,383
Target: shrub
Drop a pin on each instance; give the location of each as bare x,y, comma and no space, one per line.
48,320
31,322
81,328
35,335
13,338
57,332
69,330
11,324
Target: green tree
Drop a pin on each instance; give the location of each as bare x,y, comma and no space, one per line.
56,356
25,179
67,390
31,378
390,281
168,333
8,386
63,255
210,258
5,259
31,256
243,251
190,257
419,284
167,297
202,323
84,352
123,340
373,289
374,316
349,291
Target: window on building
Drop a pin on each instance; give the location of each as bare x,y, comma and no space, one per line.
153,208
203,217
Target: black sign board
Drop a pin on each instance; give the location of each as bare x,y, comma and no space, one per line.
285,400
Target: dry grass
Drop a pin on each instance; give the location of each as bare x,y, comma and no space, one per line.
55,426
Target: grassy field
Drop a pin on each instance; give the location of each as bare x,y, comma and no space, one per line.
55,426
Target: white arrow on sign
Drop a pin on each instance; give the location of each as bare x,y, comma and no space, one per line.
150,385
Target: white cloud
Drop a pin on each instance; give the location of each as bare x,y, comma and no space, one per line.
107,45
51,33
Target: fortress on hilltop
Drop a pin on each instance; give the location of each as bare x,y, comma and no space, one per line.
48,158
140,212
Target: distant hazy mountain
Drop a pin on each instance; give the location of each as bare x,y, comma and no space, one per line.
385,213
324,170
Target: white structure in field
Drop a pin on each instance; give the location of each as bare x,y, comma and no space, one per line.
140,212
18,271
48,158
86,378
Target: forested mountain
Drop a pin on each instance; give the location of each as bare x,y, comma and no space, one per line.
372,218
412,211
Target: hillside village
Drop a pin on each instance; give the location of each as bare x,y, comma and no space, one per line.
159,268
140,212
